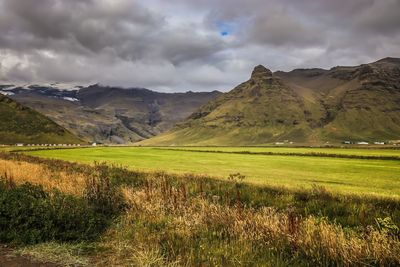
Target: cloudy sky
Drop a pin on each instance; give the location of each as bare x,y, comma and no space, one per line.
181,45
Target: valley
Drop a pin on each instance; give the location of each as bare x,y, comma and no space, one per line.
109,115
303,106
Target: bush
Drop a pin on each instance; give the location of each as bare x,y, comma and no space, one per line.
29,215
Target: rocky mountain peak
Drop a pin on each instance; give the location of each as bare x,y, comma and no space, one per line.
391,60
261,72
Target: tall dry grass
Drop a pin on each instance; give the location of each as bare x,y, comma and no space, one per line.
166,222
179,221
22,172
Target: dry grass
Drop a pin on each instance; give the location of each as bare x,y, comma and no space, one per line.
38,174
317,240
62,254
167,224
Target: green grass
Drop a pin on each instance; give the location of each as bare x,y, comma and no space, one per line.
354,176
190,220
302,150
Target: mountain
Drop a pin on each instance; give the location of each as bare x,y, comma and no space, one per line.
360,103
19,124
109,114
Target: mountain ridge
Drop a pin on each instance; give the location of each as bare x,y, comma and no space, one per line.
304,105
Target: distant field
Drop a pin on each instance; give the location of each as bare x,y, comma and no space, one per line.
357,176
331,151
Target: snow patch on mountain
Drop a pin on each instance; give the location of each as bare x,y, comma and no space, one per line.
72,99
6,93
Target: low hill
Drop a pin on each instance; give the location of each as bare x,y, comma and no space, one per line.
20,124
360,103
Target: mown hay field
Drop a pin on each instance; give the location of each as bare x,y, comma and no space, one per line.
350,174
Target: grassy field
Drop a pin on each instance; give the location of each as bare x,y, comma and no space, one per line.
75,214
355,176
303,150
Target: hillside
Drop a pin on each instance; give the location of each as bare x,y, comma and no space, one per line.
360,103
19,124
352,103
110,114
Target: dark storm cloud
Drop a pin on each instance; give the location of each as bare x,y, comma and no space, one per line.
188,45
125,28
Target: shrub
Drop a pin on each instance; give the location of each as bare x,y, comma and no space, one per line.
29,215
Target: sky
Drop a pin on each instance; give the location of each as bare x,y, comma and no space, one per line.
182,45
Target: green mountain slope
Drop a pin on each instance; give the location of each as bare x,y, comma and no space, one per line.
19,124
352,103
359,103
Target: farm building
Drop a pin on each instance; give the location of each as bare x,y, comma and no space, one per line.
362,143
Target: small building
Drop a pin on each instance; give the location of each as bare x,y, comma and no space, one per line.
379,143
362,143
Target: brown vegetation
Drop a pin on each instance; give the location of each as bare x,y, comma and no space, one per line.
179,222
22,172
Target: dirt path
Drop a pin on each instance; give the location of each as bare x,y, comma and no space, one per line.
8,259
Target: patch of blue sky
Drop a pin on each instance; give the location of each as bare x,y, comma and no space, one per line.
226,28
